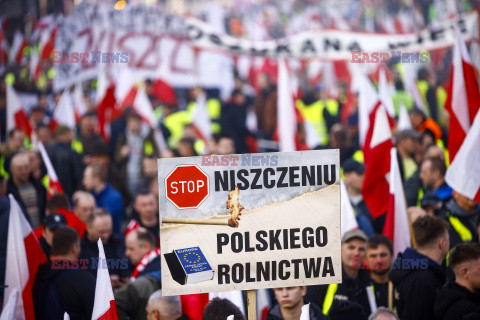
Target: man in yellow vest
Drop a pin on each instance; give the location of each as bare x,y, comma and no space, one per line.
463,215
355,279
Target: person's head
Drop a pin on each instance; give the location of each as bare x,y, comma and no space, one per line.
66,243
224,145
434,151
186,147
464,202
379,254
20,169
57,201
353,249
83,204
290,298
44,134
16,139
339,136
163,308
145,204
87,123
354,173
220,309
99,225
383,313
52,222
464,260
417,117
64,135
432,172
134,123
431,234
138,243
238,97
431,203
37,114
408,141
93,176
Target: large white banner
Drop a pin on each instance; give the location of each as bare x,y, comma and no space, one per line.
335,44
251,221
149,42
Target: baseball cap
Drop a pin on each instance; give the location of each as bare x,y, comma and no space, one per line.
352,234
54,220
351,165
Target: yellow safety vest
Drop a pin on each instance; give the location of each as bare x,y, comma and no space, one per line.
175,123
148,148
329,296
77,146
358,156
313,113
4,173
464,233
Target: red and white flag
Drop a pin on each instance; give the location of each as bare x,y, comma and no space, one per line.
463,99
349,222
47,42
79,105
263,304
375,185
24,256
396,224
16,114
34,67
64,113
286,118
463,175
384,93
104,307
54,185
3,48
18,46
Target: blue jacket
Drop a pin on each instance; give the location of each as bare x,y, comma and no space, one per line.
111,200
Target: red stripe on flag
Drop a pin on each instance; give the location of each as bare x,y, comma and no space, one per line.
110,314
389,226
35,258
193,305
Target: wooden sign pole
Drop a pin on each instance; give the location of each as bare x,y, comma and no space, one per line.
252,304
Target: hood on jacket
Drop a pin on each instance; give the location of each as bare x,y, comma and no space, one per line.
411,261
448,295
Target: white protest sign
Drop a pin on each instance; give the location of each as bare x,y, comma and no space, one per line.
281,228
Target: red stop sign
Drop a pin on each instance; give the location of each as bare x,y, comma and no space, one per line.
187,186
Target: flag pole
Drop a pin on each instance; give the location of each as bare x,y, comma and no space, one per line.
252,304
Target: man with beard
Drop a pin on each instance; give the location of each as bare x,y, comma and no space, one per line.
379,261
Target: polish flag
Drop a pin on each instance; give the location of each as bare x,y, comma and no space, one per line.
64,113
349,222
409,78
384,93
16,114
3,48
54,185
143,107
34,68
8,312
375,185
106,112
104,307
286,118
193,305
47,42
263,304
404,122
396,224
463,100
201,119
18,46
463,174
24,256
79,106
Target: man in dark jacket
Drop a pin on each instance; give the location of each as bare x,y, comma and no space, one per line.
51,223
463,215
66,162
458,297
75,287
99,225
355,278
417,274
290,303
29,193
